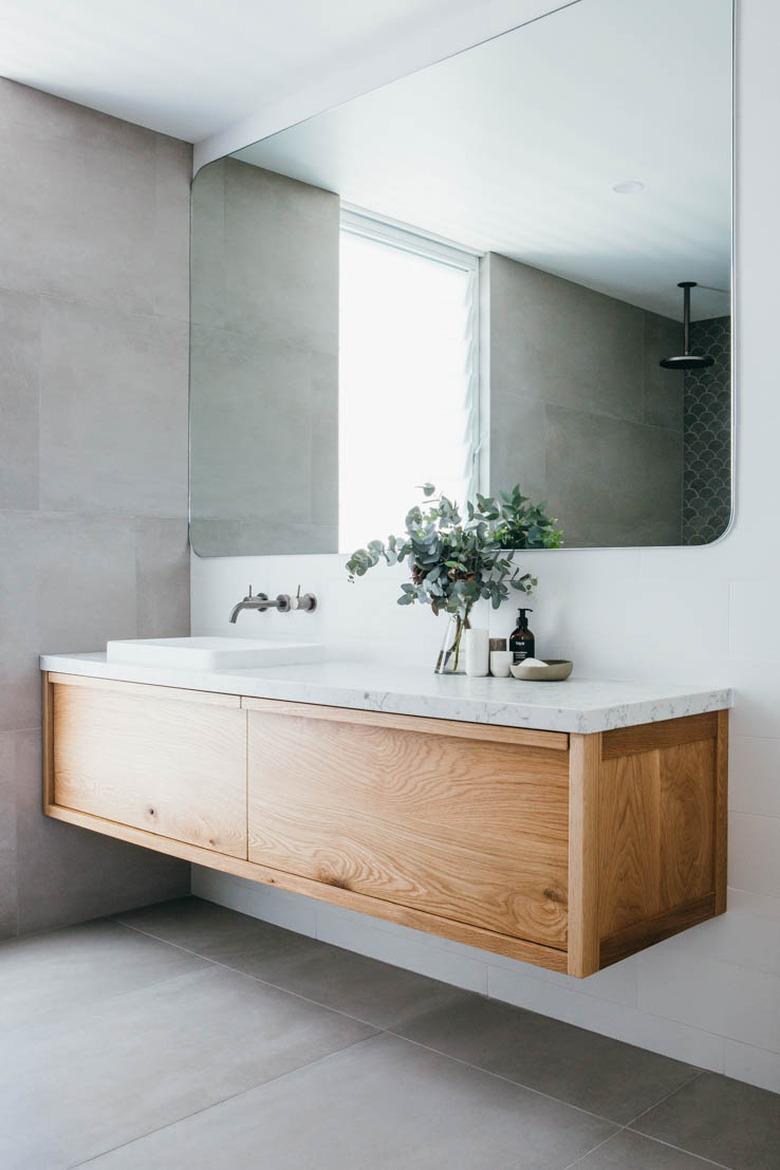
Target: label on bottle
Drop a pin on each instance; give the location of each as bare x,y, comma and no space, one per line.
521,648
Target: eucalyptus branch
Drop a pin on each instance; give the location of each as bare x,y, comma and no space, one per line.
457,561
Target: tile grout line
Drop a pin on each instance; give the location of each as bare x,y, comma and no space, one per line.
378,1030
507,1080
699,1072
656,1141
681,1150
222,1101
248,975
581,1159
648,1137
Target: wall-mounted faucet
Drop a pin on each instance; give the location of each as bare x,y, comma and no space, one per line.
307,603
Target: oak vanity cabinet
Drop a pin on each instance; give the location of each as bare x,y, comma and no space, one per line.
168,762
568,851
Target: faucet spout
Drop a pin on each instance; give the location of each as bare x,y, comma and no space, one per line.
252,601
283,603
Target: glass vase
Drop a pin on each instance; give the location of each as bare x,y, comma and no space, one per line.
452,656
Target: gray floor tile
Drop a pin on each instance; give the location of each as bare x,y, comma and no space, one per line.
382,1105
74,1088
594,1072
211,930
629,1151
721,1119
385,996
81,965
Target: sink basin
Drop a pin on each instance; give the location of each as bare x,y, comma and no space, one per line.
211,653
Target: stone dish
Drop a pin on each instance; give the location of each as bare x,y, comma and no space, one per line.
555,670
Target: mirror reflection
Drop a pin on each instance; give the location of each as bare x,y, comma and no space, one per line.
512,267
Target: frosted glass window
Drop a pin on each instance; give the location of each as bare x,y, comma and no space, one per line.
407,377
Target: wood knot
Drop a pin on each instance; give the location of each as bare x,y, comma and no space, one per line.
555,896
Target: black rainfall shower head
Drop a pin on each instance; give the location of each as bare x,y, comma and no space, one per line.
686,360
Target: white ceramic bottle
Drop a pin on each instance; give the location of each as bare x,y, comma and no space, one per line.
477,651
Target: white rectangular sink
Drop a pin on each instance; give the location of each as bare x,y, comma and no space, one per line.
211,653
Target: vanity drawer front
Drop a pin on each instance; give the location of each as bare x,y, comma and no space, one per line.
175,766
455,825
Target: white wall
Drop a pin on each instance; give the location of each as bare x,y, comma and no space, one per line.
708,616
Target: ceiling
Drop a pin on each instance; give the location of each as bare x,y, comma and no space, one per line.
192,67
515,146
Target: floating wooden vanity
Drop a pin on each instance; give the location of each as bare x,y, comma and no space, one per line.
567,850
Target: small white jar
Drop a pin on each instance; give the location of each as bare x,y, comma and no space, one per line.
500,658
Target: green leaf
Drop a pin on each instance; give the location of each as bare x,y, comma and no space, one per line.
455,561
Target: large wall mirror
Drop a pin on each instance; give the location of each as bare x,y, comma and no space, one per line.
472,277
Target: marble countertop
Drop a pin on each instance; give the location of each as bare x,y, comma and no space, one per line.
578,705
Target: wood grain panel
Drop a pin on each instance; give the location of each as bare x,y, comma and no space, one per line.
721,826
687,812
584,780
468,830
656,838
160,764
653,930
521,736
629,841
647,737
486,940
47,752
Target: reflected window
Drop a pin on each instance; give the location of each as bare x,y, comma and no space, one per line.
408,374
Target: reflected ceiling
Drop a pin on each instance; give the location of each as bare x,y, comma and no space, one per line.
516,147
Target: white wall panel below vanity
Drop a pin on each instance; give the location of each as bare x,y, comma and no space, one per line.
703,617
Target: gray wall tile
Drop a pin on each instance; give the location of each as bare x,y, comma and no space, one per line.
265,255
663,388
170,288
569,345
581,414
265,331
19,369
113,396
8,867
66,583
94,220
67,875
517,443
86,204
162,576
613,482
43,118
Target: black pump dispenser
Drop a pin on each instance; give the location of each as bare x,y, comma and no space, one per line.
522,643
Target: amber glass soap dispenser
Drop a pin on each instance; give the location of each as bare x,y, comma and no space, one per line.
521,643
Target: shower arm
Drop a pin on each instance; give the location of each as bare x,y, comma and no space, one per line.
686,286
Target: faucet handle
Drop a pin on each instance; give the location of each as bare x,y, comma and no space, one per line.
306,603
